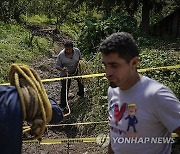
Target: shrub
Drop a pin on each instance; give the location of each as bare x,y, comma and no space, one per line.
94,30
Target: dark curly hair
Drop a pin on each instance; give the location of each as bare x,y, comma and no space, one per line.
122,43
68,44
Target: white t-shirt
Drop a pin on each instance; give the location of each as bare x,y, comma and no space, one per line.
156,116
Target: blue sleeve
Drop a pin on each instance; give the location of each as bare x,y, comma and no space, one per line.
57,115
10,121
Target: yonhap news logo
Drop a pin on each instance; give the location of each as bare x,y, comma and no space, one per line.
144,140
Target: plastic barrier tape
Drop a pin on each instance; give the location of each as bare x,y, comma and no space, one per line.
103,74
63,140
27,128
80,123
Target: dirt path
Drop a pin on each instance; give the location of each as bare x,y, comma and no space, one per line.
46,69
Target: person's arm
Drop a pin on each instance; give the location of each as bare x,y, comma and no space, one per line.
79,53
59,65
177,131
80,56
110,151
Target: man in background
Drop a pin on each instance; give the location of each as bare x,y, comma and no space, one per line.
67,63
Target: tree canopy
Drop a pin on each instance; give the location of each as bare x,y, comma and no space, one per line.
60,9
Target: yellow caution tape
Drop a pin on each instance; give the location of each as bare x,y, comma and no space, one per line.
70,77
175,135
159,68
63,140
27,128
4,84
31,141
103,74
73,77
81,123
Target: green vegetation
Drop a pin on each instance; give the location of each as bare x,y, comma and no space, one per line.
16,47
36,19
157,58
95,30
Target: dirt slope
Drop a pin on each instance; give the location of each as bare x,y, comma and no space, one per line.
46,69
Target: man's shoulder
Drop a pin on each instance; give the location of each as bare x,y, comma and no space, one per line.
152,86
62,52
76,49
113,91
151,82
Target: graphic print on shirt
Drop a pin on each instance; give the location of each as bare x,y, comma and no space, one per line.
132,120
124,118
118,114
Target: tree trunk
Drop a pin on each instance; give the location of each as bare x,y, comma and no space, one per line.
145,16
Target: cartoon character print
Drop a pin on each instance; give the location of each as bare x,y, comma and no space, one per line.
132,108
125,113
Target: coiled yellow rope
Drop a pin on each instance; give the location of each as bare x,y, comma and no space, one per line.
83,70
35,104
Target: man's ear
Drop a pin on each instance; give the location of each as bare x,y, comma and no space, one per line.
134,62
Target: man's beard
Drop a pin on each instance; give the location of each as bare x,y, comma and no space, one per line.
113,85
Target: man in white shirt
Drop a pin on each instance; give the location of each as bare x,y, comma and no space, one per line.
157,110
